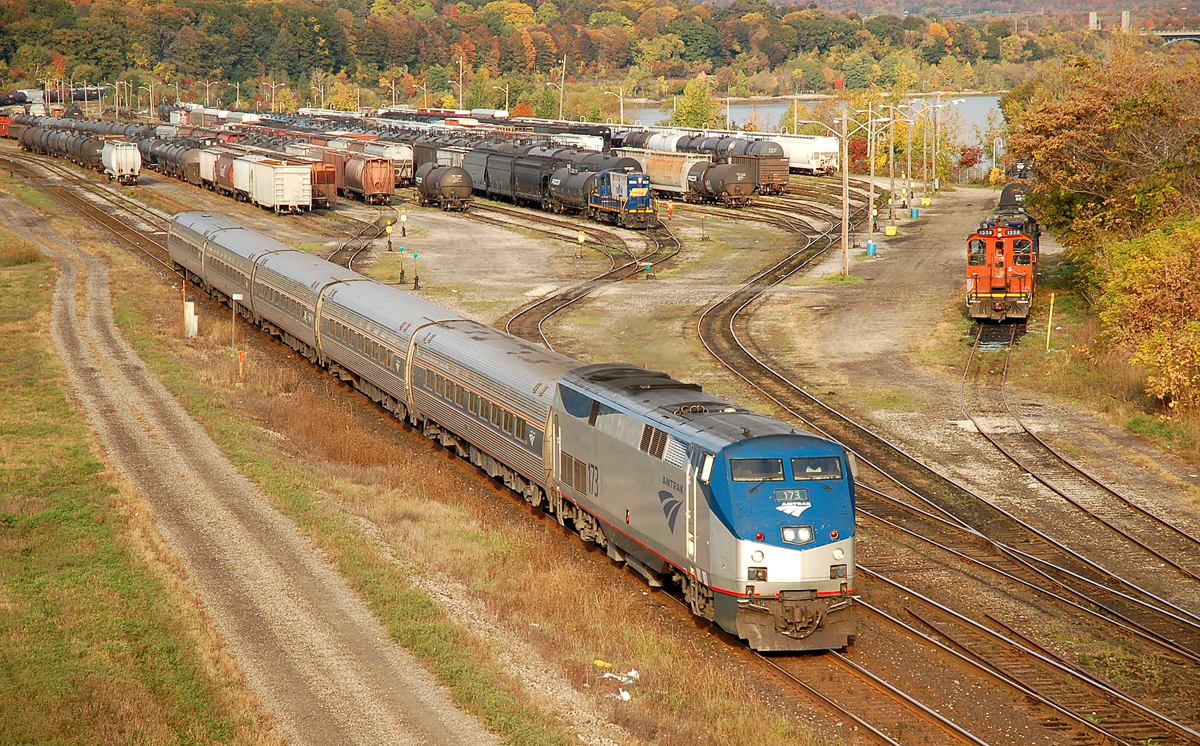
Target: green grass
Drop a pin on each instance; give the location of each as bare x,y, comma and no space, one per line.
94,647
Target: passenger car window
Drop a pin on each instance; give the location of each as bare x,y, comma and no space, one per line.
756,469
816,467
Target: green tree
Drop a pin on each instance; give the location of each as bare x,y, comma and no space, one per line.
696,107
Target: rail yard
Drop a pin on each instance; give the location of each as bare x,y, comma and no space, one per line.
1019,579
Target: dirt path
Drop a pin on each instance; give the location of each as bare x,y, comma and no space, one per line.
321,664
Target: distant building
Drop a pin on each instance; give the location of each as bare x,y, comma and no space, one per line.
1126,21
1093,21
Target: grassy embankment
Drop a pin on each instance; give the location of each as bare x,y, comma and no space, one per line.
457,570
100,642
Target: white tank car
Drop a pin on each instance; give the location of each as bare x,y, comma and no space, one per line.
810,154
122,161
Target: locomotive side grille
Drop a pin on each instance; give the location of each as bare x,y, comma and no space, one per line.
654,441
658,443
574,473
594,413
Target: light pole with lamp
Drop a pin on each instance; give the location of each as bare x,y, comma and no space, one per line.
208,84
505,89
560,98
389,84
425,90
116,100
562,88
460,81
320,91
274,87
843,140
937,186
911,122
150,91
621,97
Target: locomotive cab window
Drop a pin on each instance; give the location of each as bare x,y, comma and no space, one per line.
1022,251
976,250
816,467
756,469
999,249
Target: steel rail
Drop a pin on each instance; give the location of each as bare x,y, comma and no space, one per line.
1098,689
1034,441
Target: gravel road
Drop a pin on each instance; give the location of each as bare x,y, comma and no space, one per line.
307,645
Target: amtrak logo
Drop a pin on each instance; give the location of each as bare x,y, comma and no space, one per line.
670,505
794,509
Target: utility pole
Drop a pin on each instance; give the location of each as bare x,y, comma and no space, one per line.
892,163
845,195
460,81
562,88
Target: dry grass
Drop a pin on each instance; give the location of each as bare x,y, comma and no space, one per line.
15,251
352,478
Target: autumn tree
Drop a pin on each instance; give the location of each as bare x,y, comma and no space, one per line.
696,107
1151,303
1115,140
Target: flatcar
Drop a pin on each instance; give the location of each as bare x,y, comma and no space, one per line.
751,517
1002,260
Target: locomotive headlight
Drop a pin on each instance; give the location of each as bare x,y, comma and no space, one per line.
797,534
839,553
757,555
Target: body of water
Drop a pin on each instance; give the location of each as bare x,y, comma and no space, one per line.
973,112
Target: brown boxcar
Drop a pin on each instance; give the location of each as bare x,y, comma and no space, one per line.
337,159
324,184
370,179
223,173
767,163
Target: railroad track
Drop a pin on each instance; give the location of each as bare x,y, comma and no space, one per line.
528,322
73,190
1136,528
1071,697
360,239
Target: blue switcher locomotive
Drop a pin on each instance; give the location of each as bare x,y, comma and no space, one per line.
751,518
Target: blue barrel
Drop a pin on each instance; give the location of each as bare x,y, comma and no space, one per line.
916,213
870,248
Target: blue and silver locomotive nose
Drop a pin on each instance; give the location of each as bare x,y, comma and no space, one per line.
790,502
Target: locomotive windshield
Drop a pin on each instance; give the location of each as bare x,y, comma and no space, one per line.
976,249
756,469
816,467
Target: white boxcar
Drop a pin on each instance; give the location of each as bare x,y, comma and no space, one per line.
208,165
278,184
810,154
122,161
241,175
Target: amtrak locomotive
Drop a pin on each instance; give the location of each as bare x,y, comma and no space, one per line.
752,519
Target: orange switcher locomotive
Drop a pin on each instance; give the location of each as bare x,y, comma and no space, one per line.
1002,259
